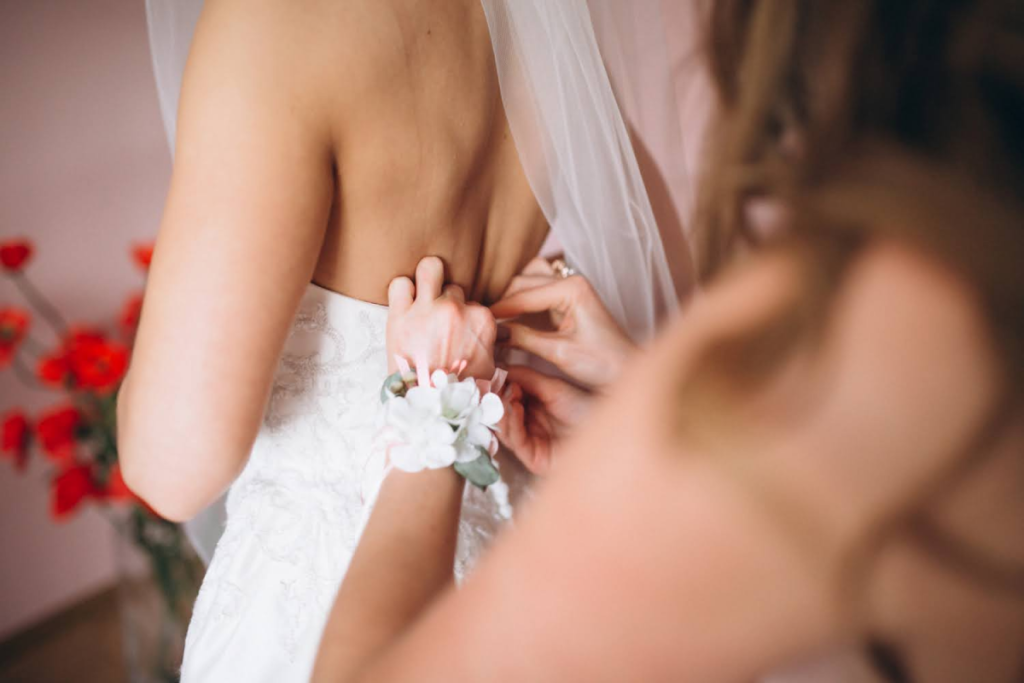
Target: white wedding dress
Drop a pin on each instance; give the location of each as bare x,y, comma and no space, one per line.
296,511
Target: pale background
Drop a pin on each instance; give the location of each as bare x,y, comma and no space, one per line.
84,167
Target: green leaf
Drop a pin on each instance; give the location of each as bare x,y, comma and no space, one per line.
393,386
480,472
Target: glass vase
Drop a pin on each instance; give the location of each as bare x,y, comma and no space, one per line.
160,577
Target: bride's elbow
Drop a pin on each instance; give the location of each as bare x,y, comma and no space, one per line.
148,479
170,506
172,494
163,469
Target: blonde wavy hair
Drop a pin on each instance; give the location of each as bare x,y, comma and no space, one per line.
910,121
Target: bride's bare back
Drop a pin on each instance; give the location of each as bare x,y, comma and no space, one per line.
426,162
332,140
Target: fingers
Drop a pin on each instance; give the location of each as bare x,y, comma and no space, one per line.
512,428
541,434
513,432
539,266
537,273
561,401
528,433
552,296
534,383
523,282
432,325
550,346
429,278
400,294
423,368
455,293
482,321
478,343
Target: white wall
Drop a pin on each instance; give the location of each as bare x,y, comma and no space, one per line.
83,172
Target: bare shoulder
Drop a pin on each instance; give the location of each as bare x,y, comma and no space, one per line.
305,53
341,58
257,56
273,36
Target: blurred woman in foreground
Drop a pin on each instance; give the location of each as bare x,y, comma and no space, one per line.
828,451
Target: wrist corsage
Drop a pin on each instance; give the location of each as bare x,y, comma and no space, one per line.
441,421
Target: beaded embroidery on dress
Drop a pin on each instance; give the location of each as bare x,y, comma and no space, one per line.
296,511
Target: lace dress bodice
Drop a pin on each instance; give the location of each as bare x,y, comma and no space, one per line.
296,511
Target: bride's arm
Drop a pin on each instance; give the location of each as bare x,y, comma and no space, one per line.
239,239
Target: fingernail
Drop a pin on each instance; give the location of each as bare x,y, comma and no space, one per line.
504,333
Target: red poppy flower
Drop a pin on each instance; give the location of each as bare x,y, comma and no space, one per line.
142,254
53,369
99,366
57,431
87,360
130,315
14,255
15,436
84,335
69,489
56,367
14,324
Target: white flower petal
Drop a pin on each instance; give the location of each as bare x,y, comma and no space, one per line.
466,452
459,398
479,435
439,432
405,457
439,379
398,413
438,457
436,426
491,409
424,400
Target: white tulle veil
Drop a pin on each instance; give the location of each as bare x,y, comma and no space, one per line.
573,142
577,154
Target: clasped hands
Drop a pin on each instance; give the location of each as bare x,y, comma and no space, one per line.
431,324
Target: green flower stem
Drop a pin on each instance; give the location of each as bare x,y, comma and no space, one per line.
106,428
174,568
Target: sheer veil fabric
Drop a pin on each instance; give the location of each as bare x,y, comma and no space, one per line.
576,151
171,25
654,53
573,142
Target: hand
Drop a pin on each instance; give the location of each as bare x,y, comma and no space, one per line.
431,325
540,410
586,344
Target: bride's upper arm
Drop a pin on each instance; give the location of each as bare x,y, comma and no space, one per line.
243,224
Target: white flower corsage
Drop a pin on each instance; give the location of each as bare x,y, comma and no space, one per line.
446,423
